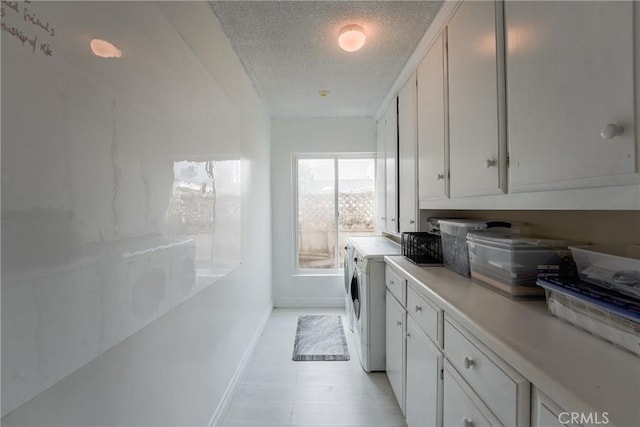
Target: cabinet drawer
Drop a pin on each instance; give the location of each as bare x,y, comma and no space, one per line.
396,285
425,314
504,390
462,407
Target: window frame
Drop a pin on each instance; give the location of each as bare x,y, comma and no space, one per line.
336,157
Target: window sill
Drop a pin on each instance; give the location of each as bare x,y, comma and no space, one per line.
320,274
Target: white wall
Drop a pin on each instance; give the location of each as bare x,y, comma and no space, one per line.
88,146
289,136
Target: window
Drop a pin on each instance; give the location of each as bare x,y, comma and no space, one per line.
333,199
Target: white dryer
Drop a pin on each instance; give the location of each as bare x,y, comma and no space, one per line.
367,292
349,276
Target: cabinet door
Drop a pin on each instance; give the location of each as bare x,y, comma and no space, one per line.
395,346
424,386
391,162
381,191
476,100
547,413
462,407
407,182
570,73
433,150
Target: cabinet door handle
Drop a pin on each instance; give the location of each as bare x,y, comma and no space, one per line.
468,362
489,163
466,422
411,221
393,220
399,323
418,308
610,131
408,335
392,282
440,176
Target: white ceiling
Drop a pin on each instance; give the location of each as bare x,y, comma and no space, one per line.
290,51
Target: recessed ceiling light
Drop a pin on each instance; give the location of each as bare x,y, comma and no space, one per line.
351,38
104,49
323,93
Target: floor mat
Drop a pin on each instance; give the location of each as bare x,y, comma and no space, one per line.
320,337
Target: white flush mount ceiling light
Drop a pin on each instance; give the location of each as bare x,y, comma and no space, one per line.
104,49
351,38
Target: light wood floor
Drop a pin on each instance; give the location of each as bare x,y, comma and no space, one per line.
277,391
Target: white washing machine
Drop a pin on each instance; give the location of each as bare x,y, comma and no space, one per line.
368,299
349,276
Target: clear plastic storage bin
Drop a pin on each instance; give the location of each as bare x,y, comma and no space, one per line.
612,267
509,262
617,322
455,254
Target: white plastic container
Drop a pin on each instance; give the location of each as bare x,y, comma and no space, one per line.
613,267
455,254
510,261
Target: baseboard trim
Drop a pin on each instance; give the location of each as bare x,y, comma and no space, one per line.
227,397
309,303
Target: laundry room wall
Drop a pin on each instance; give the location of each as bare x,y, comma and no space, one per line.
296,136
111,313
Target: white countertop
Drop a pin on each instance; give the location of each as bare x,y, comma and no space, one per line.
375,246
578,371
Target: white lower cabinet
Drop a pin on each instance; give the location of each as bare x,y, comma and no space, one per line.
395,344
414,360
500,387
546,413
468,350
424,380
441,374
462,406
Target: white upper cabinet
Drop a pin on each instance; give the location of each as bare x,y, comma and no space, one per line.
381,194
391,166
407,147
433,150
570,75
476,100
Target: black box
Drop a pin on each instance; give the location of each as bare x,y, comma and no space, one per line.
422,248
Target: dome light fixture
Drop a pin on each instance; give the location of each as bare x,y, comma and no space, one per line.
104,49
351,38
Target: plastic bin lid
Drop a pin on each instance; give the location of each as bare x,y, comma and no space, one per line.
514,241
465,223
631,252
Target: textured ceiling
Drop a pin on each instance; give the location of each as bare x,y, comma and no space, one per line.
290,51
